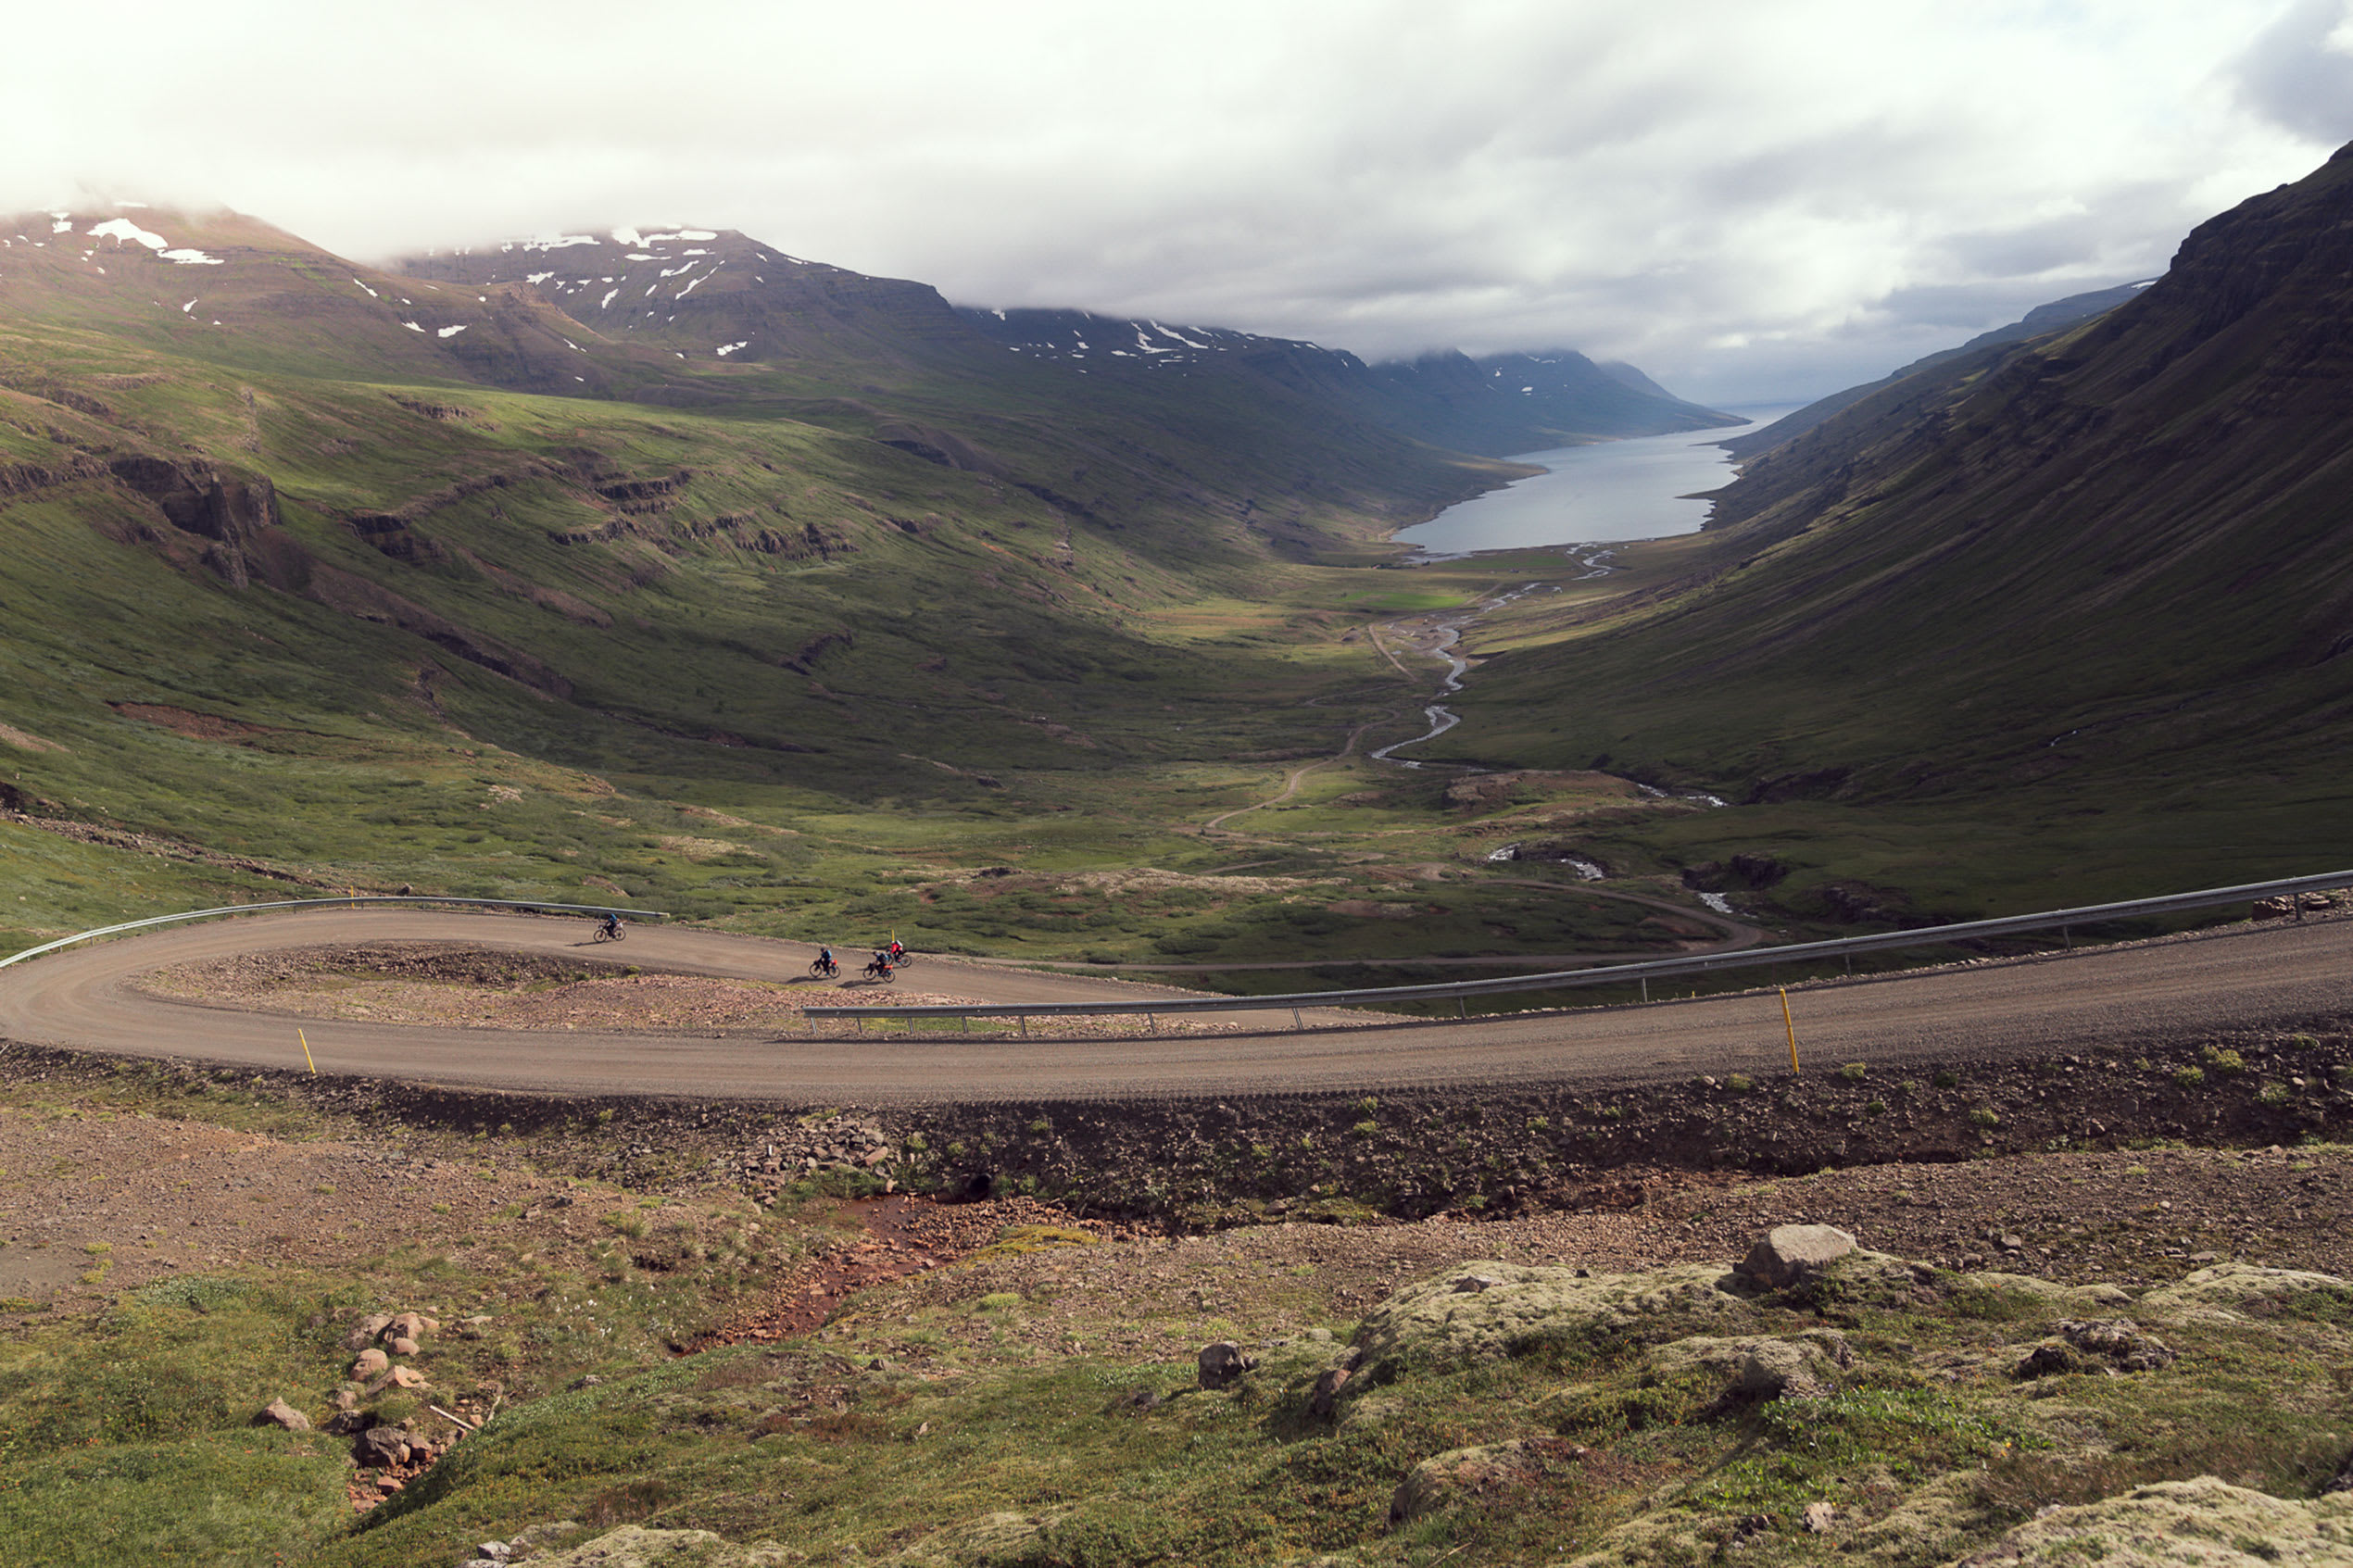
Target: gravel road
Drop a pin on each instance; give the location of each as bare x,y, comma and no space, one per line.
2280,976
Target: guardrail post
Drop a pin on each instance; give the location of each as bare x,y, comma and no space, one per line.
1152,1022
1646,987
1025,1026
1296,1021
1461,1007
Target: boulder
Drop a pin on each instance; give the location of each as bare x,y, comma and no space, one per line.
1485,1471
1223,1363
380,1447
363,1333
397,1377
372,1363
1786,1255
1323,1399
1523,1308
403,1346
277,1413
411,1326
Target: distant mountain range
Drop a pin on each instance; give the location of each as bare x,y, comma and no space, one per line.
1497,405
705,293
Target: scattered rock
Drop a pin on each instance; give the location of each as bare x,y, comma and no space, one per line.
346,1398
1819,1517
277,1413
364,1332
403,1347
1786,1255
411,1326
372,1362
1223,1363
380,1447
2083,1344
1138,1399
397,1377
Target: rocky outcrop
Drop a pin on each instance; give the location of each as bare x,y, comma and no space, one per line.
2205,1522
2229,1293
1493,1311
1489,1470
235,515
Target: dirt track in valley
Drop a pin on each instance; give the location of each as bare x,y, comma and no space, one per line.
2278,976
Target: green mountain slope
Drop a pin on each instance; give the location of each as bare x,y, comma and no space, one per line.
2048,317
2101,572
310,567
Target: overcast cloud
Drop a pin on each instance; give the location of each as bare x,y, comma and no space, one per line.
1750,201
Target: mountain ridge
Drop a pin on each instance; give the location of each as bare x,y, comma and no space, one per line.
2104,563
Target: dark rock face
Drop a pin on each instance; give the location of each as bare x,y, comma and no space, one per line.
380,1447
238,516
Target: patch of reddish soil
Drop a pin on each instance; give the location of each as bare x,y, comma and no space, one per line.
195,726
888,1239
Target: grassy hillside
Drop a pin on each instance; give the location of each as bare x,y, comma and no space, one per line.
317,585
2073,607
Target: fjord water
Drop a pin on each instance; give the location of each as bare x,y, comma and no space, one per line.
1606,493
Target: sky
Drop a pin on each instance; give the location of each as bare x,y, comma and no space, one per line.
1754,202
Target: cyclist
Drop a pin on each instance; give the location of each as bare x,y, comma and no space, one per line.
610,930
898,949
882,963
825,959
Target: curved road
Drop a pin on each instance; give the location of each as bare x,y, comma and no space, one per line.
2275,975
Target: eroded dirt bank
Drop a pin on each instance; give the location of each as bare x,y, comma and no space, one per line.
1200,1164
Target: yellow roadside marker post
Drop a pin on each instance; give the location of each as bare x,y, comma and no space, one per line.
305,1051
1791,1024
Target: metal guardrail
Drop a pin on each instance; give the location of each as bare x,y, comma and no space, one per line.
1644,971
354,901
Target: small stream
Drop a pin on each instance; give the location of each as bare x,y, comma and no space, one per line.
1441,718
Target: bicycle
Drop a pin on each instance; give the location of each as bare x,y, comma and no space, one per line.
610,930
878,970
823,968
